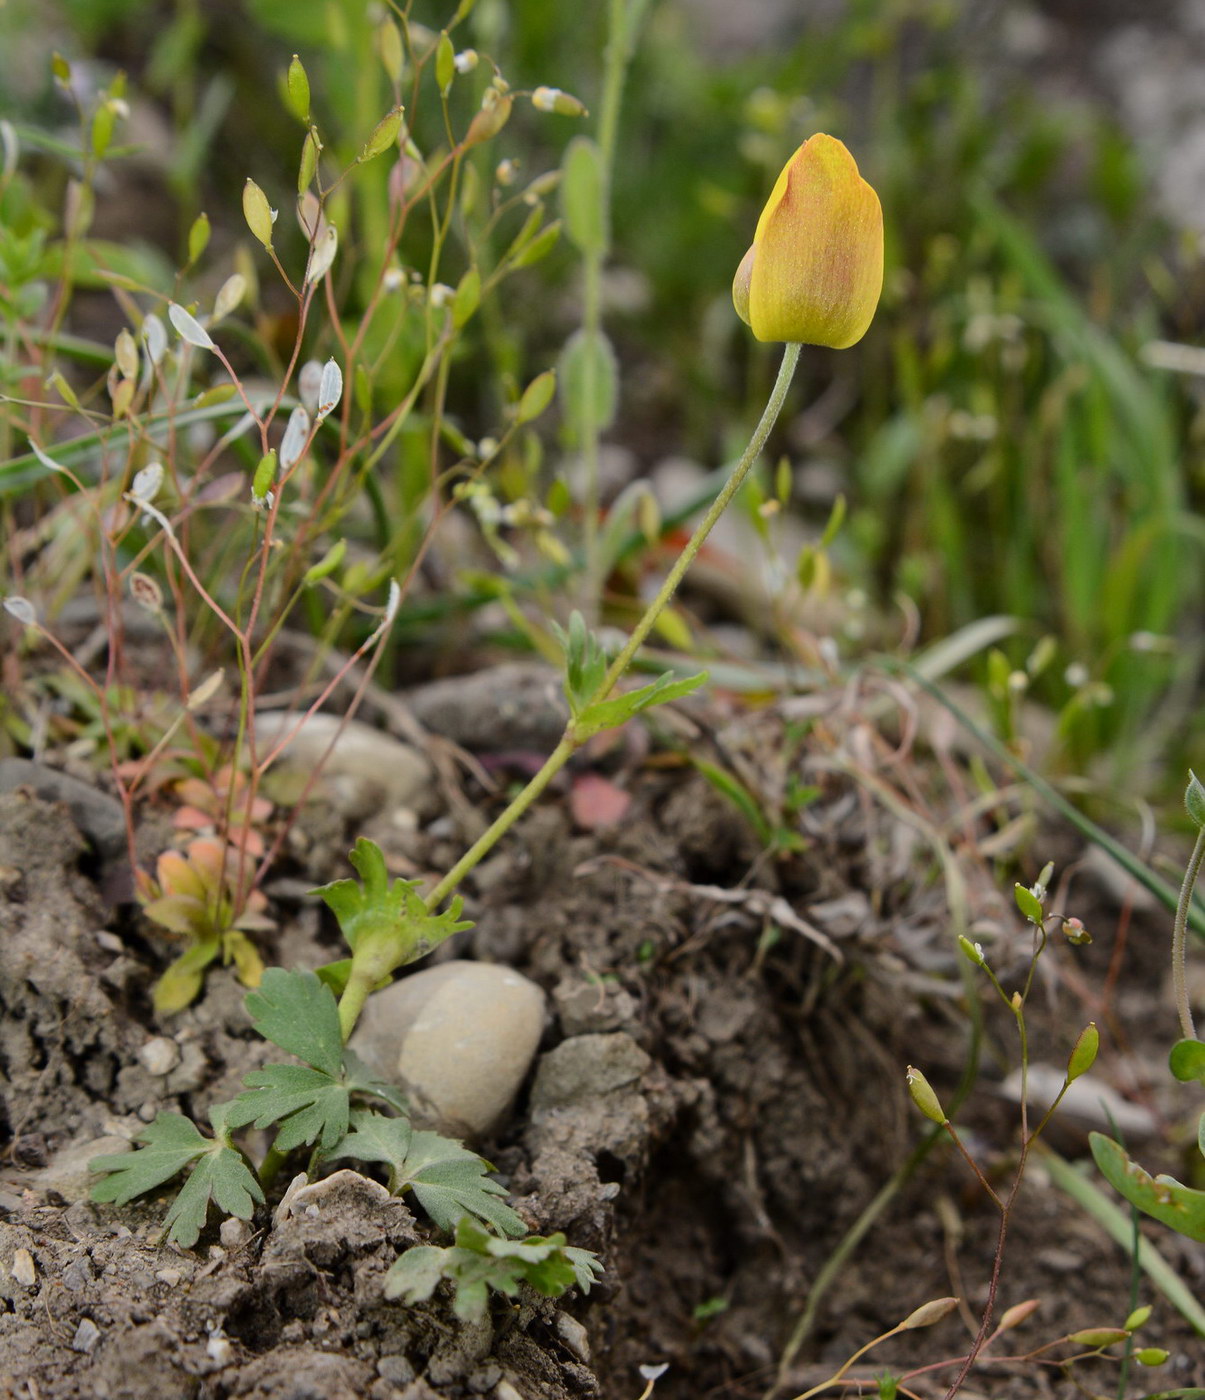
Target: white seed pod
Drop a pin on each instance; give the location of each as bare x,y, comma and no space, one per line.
47,461
146,483
293,444
230,294
322,254
22,609
188,327
154,337
309,381
330,389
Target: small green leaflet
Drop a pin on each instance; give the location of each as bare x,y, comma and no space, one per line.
311,1102
221,1174
608,714
479,1261
393,915
446,1178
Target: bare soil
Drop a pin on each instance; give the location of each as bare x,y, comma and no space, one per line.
779,1001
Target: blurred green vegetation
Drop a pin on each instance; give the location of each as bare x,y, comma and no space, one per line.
1003,445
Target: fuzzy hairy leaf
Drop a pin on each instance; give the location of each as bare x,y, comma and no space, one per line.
221,1174
447,1180
479,1261
298,1012
309,1104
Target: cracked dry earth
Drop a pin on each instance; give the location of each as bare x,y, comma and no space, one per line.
765,1013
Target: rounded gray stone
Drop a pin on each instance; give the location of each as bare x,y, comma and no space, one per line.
458,1038
366,771
584,1066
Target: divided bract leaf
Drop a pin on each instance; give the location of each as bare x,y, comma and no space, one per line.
298,1012
608,714
395,914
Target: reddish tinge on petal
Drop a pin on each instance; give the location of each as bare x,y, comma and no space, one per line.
815,271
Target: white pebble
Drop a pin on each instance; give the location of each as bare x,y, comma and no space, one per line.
160,1055
87,1334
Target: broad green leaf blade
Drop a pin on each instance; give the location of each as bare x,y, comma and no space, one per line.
182,979
298,1012
308,1104
583,200
1163,1197
172,1141
588,381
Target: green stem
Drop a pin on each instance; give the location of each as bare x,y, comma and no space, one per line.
569,742
351,1003
1180,938
734,483
623,20
270,1167
553,764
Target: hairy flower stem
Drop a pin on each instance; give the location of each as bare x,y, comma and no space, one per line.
624,18
1180,938
570,742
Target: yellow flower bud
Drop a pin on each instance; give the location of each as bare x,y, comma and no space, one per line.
815,271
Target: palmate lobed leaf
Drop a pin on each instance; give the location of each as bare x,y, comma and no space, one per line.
446,1178
221,1174
308,1103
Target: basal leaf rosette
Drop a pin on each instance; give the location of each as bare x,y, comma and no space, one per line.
815,271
